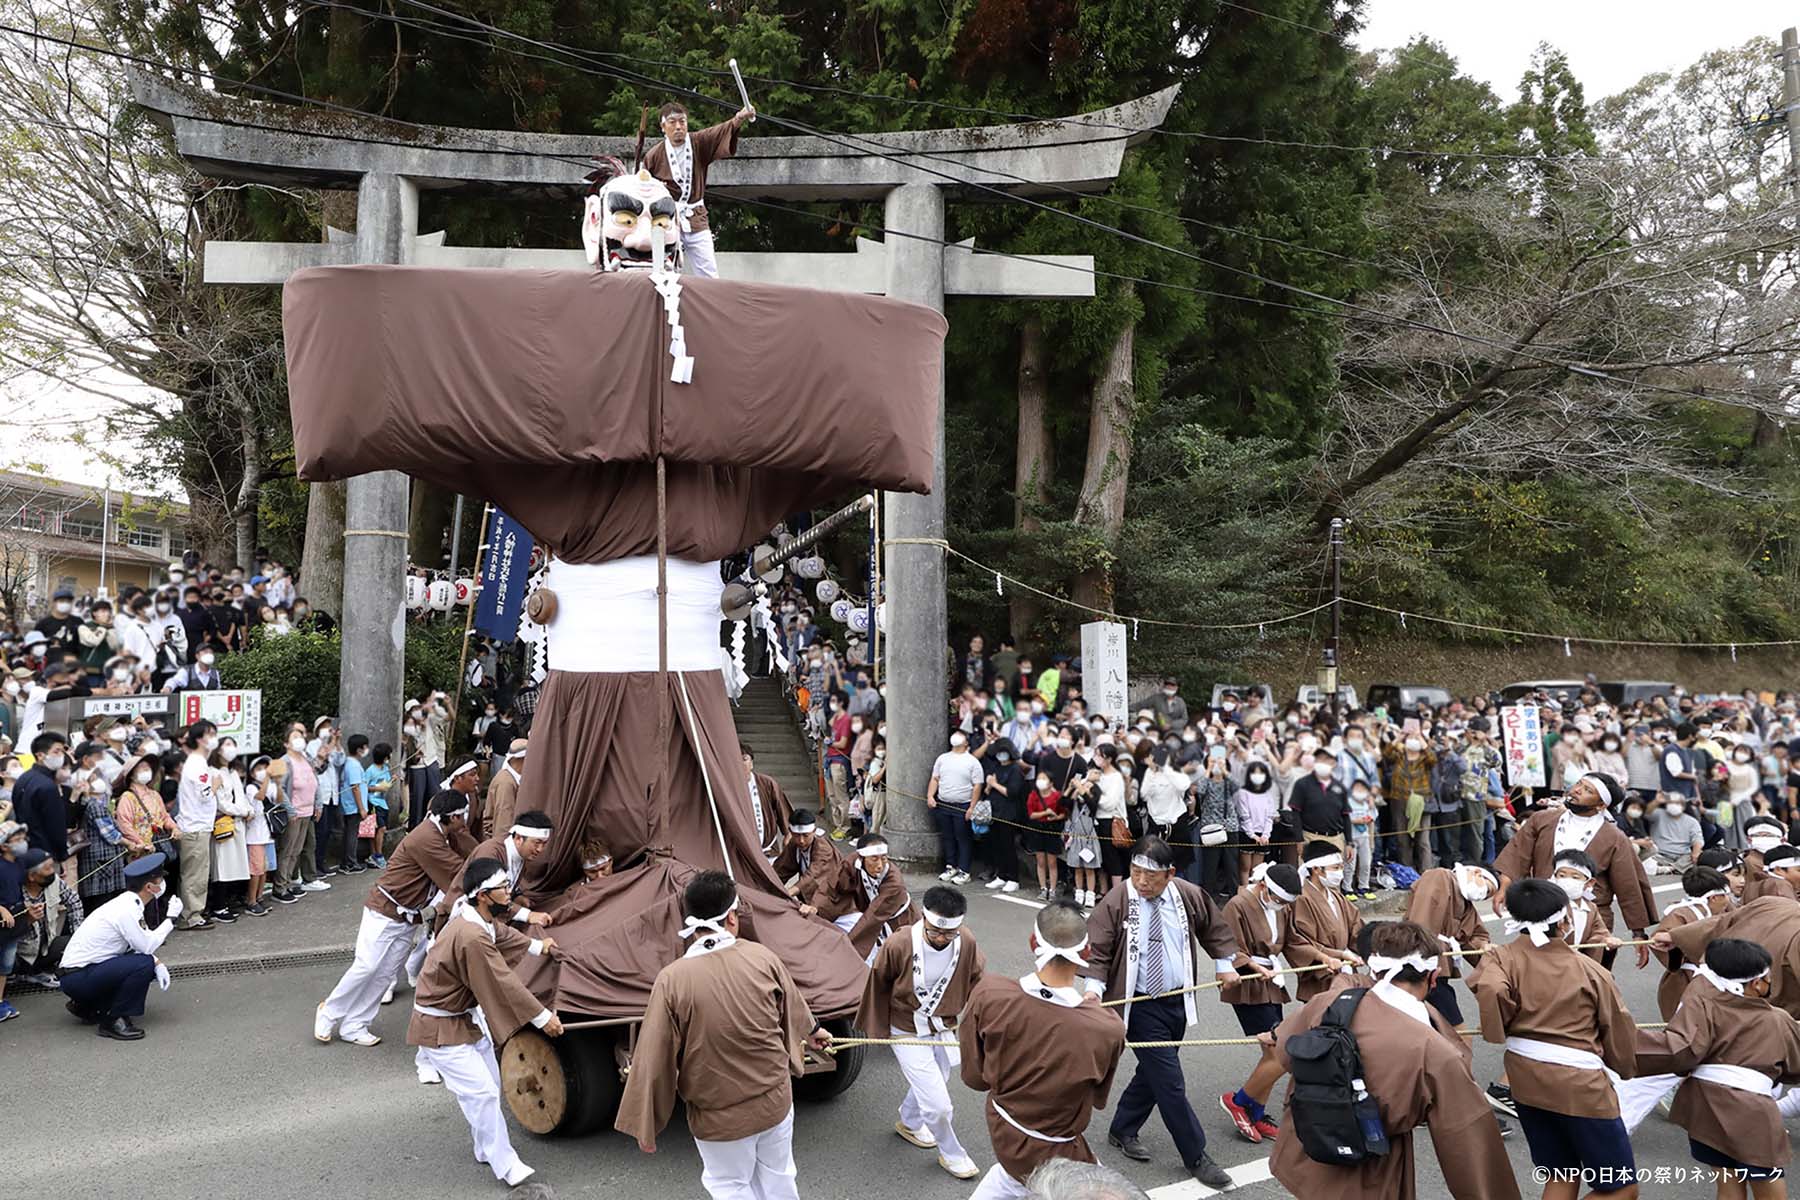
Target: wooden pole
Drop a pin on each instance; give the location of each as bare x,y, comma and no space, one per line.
462,662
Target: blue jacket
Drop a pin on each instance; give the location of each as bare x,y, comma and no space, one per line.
38,802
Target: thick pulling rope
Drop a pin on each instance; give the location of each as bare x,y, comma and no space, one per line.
838,1043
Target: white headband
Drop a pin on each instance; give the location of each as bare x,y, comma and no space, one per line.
1275,888
515,753
1387,967
940,922
440,818
873,850
1734,986
1599,785
1539,930
530,831
462,770
1044,953
1147,863
594,864
1567,865
694,925
497,879
813,828
1319,864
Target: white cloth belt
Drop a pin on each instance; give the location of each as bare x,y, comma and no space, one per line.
1559,1056
1744,1079
1028,1132
439,1012
409,915
606,615
686,213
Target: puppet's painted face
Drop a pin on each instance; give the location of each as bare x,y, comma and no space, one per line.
620,224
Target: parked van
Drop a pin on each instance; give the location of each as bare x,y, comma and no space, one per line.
1630,691
1512,693
1406,697
1242,690
1313,695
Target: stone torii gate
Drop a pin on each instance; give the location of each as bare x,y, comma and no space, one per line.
387,164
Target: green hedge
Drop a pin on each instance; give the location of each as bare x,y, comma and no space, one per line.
298,674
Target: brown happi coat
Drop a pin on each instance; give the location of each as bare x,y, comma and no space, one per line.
723,1031
426,861
1555,994
890,1001
1437,903
466,967
1107,955
1048,1065
1675,975
892,908
503,799
710,145
1759,883
1323,924
1772,923
817,884
1532,854
1739,1031
1415,1081
1249,925
1593,930
778,814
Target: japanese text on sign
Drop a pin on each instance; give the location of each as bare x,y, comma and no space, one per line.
1103,669
1523,735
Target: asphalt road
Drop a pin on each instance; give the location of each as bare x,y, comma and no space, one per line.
229,1096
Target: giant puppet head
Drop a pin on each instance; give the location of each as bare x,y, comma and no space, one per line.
625,218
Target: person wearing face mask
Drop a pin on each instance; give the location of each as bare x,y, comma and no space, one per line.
1762,834
1674,831
424,869
429,720
100,861
260,793
196,621
1574,874
1261,917
230,850
97,641
138,810
62,627
1360,848
297,870
465,970
1320,805
1443,903
11,769
168,637
199,675
1706,893
134,630
1733,1046
956,777
196,812
1582,823
1045,813
15,852
1258,805
122,677
1005,790
1410,763
1150,936
1325,921
1743,786
110,962
1564,1024
38,799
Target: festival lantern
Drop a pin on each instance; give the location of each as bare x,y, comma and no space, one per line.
440,595
840,611
465,591
415,591
827,591
811,567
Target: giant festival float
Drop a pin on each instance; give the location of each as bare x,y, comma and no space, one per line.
644,426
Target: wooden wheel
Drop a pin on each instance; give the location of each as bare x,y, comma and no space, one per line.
562,1087
826,1085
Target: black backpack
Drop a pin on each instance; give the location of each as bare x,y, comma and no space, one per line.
1330,1108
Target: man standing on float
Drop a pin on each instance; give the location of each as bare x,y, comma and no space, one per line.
680,161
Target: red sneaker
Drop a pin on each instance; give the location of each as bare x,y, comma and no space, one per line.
1241,1118
1266,1126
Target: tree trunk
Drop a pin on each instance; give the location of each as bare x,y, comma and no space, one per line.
1032,462
322,559
1108,467
249,488
428,517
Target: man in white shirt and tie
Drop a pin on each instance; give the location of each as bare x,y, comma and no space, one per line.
111,959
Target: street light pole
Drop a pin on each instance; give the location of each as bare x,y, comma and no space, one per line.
1328,671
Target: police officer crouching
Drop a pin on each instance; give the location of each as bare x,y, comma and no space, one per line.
111,959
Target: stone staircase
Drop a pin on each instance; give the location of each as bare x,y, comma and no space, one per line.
766,722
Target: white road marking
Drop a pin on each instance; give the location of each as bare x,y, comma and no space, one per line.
1242,1175
1004,899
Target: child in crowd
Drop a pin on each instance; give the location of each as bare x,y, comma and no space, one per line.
1361,850
378,782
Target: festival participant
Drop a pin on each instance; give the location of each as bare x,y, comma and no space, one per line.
1043,1052
503,790
1261,917
465,779
768,805
1574,874
1443,903
809,864
1733,1046
1708,894
1772,922
1582,823
465,971
881,905
680,161
723,1030
1325,922
110,961
1414,1081
425,867
1564,1025
514,846
1144,939
917,986
1763,833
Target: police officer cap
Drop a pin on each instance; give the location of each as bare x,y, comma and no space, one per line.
139,871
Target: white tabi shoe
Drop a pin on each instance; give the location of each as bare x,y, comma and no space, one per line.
387,997
920,1137
365,1038
962,1168
428,1076
321,1024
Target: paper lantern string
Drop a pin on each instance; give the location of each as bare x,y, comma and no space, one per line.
1134,623
738,672
998,590
1403,620
1567,653
1734,652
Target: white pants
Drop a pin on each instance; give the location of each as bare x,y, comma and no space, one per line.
1788,1104
415,958
697,250
998,1185
758,1167
1637,1097
473,1077
927,1070
848,921
382,946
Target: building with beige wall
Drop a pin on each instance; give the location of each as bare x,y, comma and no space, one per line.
56,533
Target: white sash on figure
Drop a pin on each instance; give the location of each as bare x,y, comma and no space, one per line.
925,1019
